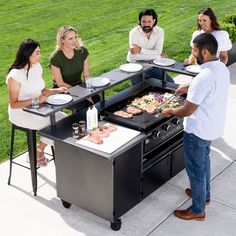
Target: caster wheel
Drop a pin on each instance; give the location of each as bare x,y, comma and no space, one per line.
116,225
66,204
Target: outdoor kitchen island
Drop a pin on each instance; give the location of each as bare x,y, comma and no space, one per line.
107,185
110,184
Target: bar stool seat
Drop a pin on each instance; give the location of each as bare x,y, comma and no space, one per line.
32,149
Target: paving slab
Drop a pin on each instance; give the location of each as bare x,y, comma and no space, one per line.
224,187
219,162
230,129
232,70
46,213
220,221
139,220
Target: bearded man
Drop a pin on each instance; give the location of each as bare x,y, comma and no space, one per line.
146,43
204,120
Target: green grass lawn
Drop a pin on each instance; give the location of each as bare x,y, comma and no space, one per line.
103,26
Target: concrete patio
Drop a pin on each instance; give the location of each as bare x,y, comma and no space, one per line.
24,214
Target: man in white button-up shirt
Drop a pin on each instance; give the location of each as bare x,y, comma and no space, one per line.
146,42
204,120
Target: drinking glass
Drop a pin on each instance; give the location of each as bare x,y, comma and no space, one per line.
35,101
89,84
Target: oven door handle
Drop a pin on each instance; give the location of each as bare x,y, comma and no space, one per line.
163,157
155,162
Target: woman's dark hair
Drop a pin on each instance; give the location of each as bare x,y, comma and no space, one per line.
148,12
214,22
24,52
206,41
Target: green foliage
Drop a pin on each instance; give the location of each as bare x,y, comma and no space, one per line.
231,29
103,25
229,24
230,18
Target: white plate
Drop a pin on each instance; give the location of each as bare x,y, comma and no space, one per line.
164,62
59,99
131,67
99,81
193,68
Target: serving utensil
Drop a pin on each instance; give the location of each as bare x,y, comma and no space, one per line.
167,100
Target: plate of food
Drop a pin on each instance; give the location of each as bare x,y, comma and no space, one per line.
164,61
99,81
193,68
131,67
59,99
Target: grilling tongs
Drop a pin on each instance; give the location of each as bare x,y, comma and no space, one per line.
167,100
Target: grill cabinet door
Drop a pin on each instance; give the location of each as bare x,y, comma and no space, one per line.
177,160
156,175
127,180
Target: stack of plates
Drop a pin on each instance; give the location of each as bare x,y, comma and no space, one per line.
164,62
131,67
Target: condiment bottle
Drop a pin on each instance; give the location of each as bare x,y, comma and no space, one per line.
94,118
89,117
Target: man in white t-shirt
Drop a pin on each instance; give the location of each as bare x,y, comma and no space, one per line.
146,43
204,112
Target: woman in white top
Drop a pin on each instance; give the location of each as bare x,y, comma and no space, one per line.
25,81
207,23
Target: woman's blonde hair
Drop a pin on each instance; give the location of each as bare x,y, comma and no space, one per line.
61,34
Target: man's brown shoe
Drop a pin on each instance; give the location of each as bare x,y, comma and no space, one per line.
188,215
188,191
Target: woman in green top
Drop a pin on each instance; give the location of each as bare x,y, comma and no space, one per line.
70,59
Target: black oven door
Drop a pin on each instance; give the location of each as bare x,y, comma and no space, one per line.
162,164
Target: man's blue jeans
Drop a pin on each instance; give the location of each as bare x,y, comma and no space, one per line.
197,163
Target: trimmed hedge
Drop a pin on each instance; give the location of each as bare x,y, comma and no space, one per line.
231,29
229,24
230,18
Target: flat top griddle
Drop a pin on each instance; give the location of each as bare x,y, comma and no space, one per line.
141,122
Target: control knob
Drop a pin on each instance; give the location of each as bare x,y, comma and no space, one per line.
147,141
175,121
148,138
156,134
166,127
